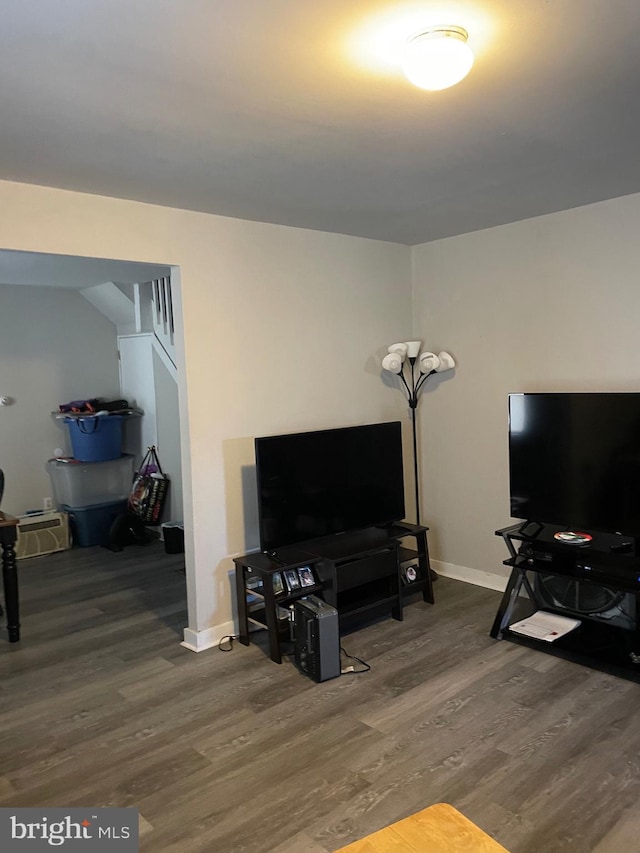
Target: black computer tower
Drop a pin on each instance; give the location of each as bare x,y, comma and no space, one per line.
317,638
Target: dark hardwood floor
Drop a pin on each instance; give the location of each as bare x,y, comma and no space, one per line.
231,753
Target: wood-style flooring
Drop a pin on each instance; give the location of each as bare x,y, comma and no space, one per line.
231,753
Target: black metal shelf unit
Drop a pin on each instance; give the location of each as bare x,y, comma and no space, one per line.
597,583
357,573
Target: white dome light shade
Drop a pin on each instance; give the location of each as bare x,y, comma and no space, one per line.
413,348
400,349
392,362
438,58
447,362
428,361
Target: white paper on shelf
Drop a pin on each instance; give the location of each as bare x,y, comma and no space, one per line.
544,626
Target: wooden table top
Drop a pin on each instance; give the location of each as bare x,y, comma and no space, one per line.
437,829
8,520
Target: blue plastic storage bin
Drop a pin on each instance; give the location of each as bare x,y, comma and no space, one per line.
90,525
96,438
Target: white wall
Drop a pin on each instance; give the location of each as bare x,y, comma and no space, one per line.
548,304
168,444
137,388
146,383
54,347
283,330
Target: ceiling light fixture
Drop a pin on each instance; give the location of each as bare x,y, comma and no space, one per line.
438,57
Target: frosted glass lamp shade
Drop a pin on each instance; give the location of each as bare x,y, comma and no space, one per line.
392,362
413,348
428,361
400,349
447,362
438,58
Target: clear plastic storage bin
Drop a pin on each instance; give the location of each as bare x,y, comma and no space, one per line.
82,484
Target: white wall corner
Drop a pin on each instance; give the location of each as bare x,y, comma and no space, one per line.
467,575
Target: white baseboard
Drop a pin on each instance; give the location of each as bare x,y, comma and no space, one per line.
473,576
199,641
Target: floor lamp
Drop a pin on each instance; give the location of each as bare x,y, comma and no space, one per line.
401,360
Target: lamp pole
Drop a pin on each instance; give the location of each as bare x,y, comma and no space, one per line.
412,396
429,363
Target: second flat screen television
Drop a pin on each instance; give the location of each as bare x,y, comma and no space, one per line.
574,460
315,484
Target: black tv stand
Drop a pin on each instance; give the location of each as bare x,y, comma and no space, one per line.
605,639
360,574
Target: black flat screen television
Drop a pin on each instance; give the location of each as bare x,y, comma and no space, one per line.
574,460
316,484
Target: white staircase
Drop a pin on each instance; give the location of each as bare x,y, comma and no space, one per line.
163,323
141,308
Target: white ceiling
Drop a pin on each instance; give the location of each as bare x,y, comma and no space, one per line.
295,111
